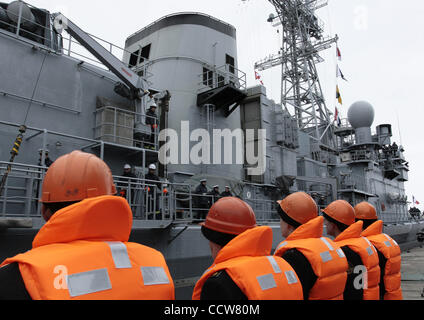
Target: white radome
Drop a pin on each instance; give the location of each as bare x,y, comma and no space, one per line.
361,115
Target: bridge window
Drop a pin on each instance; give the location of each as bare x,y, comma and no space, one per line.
229,60
145,54
207,77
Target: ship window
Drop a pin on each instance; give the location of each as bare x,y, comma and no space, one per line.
134,58
231,62
145,51
207,77
221,81
145,54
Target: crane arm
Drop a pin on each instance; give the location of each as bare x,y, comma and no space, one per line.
125,74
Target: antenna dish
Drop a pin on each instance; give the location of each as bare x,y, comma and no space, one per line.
361,115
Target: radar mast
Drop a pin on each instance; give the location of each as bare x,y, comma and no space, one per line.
301,92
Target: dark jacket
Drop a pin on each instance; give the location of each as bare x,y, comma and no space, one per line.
47,163
221,287
303,269
12,285
152,177
201,202
307,277
124,183
226,194
216,196
353,260
151,118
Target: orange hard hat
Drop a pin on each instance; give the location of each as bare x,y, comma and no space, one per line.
165,191
75,177
341,211
300,207
365,211
231,216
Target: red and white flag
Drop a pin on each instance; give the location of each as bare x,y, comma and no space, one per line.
415,201
339,54
258,77
337,117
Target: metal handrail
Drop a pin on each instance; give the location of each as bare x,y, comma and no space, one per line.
115,126
64,43
238,78
173,202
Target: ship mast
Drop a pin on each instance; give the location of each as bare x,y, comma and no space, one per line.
301,90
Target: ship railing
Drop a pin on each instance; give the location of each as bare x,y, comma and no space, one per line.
22,191
149,200
265,210
178,203
66,44
215,77
116,125
344,123
353,182
25,29
360,155
396,217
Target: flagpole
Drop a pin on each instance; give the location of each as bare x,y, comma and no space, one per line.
400,134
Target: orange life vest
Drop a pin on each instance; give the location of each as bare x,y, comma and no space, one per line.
391,251
326,258
247,260
352,238
83,253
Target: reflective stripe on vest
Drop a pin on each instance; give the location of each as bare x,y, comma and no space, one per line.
274,265
291,277
341,253
84,283
154,276
391,239
120,255
267,282
327,244
282,245
96,270
273,280
328,263
326,256
365,250
391,273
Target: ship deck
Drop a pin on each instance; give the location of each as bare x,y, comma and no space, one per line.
413,274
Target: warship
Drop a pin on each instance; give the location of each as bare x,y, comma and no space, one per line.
62,89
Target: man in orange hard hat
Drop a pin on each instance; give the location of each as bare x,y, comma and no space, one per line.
243,267
319,262
389,252
82,252
360,253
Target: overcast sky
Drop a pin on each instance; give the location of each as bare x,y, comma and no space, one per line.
381,43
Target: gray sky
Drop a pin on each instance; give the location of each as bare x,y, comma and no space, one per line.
381,43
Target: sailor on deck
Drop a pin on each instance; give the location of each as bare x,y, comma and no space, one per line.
340,221
389,252
200,200
83,253
243,267
227,192
319,262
